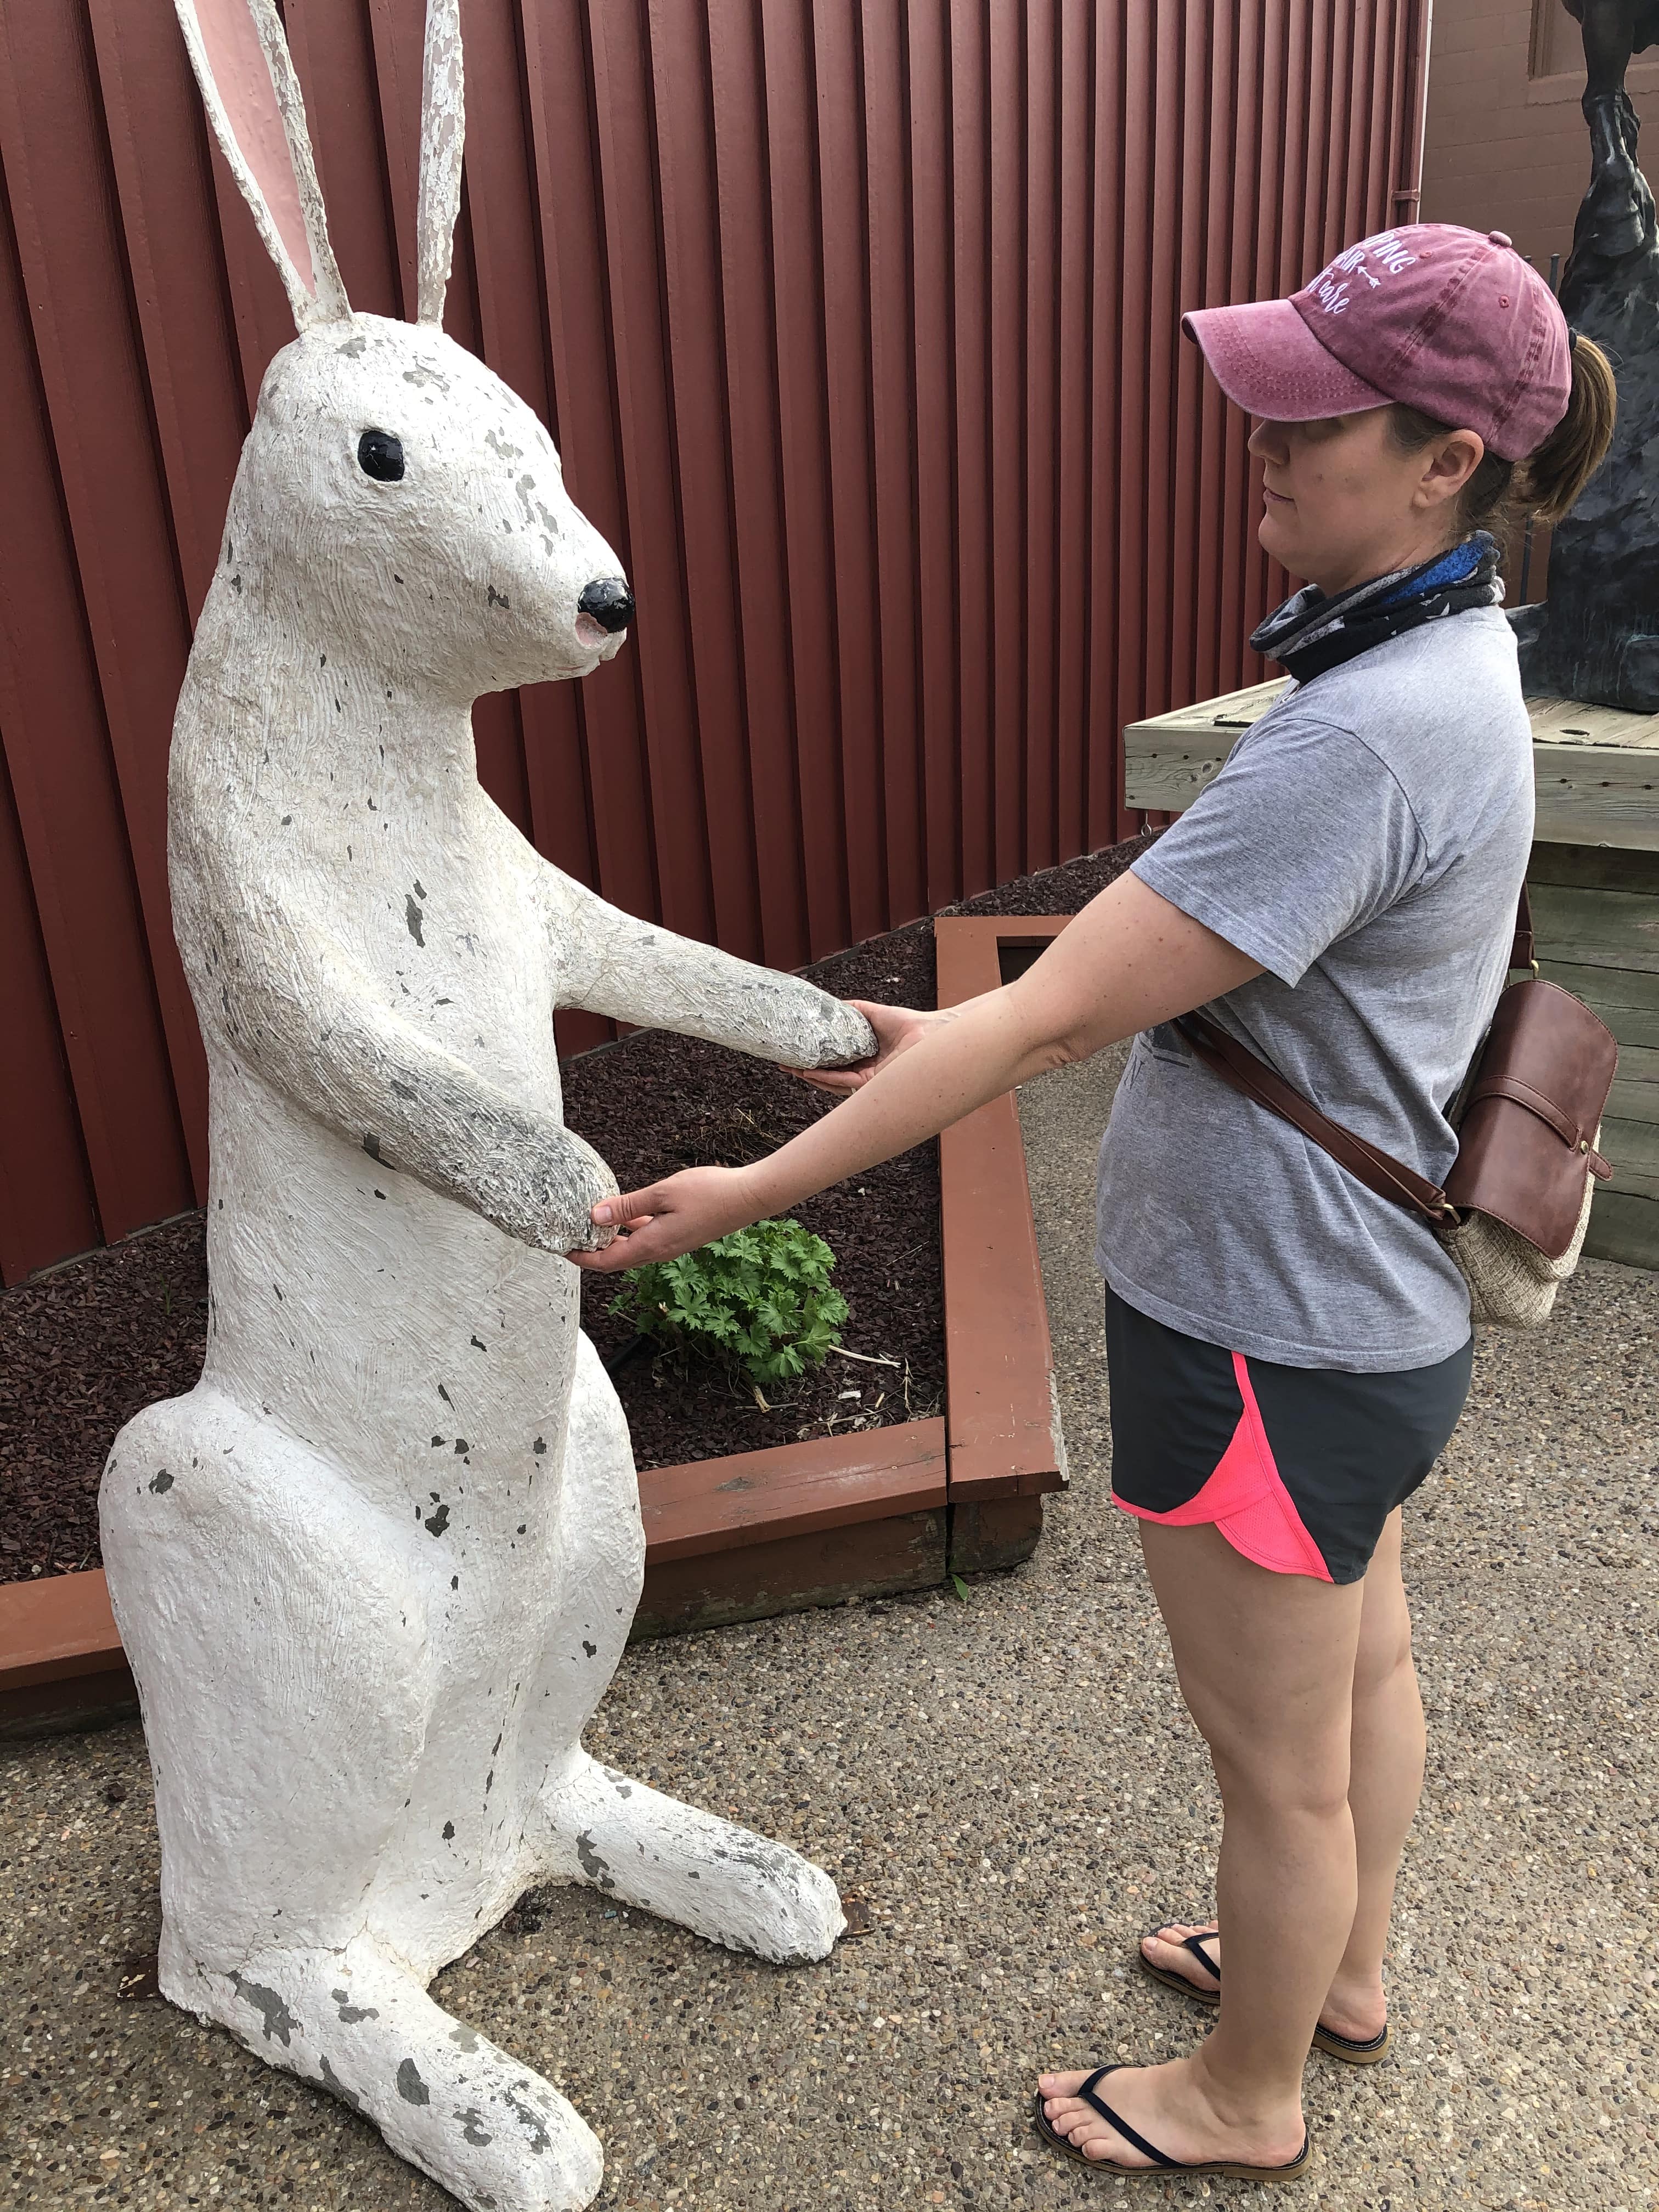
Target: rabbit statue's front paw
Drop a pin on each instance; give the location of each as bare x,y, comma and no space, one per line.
580,1179
845,1037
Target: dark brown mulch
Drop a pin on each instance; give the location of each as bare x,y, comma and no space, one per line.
83,1347
80,1350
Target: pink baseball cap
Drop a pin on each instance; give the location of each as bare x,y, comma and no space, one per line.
1432,315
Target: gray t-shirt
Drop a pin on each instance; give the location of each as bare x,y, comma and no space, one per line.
1365,842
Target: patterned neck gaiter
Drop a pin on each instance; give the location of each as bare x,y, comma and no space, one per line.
1311,633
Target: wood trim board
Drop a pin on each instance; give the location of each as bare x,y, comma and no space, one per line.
1004,1429
756,1533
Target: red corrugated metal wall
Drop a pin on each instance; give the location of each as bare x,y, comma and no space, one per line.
857,322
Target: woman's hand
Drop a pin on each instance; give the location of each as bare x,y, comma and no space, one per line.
676,1215
685,1211
896,1029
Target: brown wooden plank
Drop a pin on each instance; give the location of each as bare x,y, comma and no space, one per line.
991,1533
55,1627
999,1366
792,1490
789,1574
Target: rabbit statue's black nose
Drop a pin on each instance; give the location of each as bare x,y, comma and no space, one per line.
609,603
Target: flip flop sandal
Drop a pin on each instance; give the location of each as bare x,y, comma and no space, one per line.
1227,2168
1170,1979
1350,2050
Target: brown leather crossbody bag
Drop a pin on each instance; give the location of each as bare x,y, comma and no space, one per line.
1513,1211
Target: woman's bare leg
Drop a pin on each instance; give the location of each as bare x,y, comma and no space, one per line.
1385,1783
1266,1667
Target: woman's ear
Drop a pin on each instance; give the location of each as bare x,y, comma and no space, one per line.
1448,465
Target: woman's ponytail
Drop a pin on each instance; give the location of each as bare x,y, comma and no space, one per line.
1501,495
1549,481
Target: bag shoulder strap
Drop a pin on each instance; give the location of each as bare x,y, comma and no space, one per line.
1236,1064
1524,953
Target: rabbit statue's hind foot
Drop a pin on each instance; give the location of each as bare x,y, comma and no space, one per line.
352,2021
723,1882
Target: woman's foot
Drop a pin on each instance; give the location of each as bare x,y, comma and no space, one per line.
1172,2106
1354,2012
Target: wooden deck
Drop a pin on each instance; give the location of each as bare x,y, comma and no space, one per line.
1597,770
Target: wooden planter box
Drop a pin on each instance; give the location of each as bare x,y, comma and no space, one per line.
864,1513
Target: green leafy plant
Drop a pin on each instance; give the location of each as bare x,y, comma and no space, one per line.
761,1297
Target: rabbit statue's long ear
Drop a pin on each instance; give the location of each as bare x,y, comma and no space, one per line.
239,54
443,129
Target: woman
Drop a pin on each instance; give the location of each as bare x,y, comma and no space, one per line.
1287,1352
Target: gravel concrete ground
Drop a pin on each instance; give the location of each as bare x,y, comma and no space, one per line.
1013,1786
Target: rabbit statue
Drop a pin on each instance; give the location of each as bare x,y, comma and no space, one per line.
375,1571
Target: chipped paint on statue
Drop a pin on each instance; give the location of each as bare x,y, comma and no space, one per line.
374,1573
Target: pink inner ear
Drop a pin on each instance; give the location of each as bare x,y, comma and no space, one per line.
239,71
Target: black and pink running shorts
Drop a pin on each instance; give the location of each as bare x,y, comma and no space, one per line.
1297,1467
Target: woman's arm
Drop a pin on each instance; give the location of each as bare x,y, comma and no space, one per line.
1129,960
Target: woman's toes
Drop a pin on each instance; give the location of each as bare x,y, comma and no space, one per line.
1167,1949
1060,2085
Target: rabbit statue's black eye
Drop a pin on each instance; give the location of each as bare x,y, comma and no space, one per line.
380,455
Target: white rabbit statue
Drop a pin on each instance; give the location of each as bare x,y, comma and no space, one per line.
375,1571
